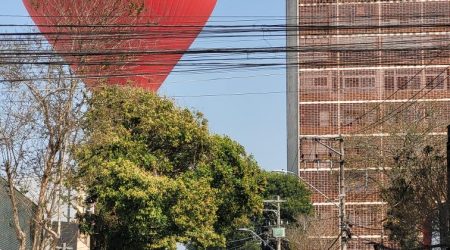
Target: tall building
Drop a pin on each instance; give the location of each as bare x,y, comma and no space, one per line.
351,64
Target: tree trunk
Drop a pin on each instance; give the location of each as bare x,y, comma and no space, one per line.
38,216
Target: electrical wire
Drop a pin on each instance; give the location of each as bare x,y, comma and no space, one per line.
408,103
214,60
335,241
219,29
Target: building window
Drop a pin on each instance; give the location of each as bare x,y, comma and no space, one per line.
408,82
324,119
351,82
415,83
356,14
367,83
359,82
389,83
402,82
320,82
435,82
351,117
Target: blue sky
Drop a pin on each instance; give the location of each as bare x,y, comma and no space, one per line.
257,121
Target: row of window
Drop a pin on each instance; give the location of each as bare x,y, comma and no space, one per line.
399,82
390,56
367,14
406,82
349,82
357,116
357,82
348,118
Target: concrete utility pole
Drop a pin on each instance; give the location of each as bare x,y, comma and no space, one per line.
278,221
342,216
278,232
344,228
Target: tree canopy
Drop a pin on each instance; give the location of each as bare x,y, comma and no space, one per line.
412,159
157,176
295,193
416,194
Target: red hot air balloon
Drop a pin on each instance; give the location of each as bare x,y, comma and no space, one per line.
135,42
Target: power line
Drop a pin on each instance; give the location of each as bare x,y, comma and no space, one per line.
408,103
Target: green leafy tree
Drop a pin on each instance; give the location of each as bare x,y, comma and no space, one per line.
289,188
157,176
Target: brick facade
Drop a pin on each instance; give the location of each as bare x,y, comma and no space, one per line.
358,61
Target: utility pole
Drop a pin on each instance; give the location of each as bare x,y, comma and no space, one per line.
344,230
337,150
278,222
278,232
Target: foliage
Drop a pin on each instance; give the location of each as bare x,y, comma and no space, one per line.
145,129
416,193
289,188
402,217
136,208
413,162
238,178
157,176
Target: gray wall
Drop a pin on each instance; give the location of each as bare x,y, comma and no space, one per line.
8,239
292,86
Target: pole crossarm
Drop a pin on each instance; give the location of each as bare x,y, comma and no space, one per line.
274,201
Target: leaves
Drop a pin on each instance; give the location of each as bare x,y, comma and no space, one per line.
297,197
147,129
416,191
157,176
295,193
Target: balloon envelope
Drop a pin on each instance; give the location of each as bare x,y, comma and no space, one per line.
135,42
